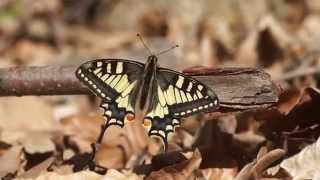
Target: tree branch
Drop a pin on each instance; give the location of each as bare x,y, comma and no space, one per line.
237,88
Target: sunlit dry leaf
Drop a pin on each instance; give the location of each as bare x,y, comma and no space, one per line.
118,145
88,175
40,29
38,143
50,7
246,172
184,138
314,5
38,169
83,130
181,171
264,46
255,169
280,34
85,175
10,162
63,170
26,113
67,106
251,11
136,136
296,12
20,123
246,55
250,33
249,137
307,35
216,41
25,54
124,175
95,44
304,165
266,160
219,173
111,157
32,141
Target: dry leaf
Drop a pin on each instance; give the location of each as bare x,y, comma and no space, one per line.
38,169
181,171
11,161
255,169
306,164
26,113
219,173
125,175
83,175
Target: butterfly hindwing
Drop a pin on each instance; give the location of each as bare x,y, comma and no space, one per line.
186,96
159,122
177,96
114,80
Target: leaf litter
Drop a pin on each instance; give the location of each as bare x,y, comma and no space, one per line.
50,138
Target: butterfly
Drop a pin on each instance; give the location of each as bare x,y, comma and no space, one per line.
132,91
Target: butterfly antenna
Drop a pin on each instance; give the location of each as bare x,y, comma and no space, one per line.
169,49
144,44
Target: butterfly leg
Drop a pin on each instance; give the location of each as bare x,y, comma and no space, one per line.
95,146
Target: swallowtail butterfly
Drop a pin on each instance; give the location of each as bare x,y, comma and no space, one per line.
158,96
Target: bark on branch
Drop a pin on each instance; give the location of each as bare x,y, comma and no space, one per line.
237,88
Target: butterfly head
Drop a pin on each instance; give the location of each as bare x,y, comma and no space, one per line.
152,61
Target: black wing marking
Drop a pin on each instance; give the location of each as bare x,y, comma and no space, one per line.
114,80
185,95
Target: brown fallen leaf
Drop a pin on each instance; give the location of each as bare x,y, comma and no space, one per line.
288,100
181,171
296,128
4,147
118,145
11,161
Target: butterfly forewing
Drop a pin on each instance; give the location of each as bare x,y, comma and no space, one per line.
114,80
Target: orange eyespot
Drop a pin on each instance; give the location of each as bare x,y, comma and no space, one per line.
130,116
147,122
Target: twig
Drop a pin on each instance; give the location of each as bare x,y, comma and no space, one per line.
298,73
49,80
